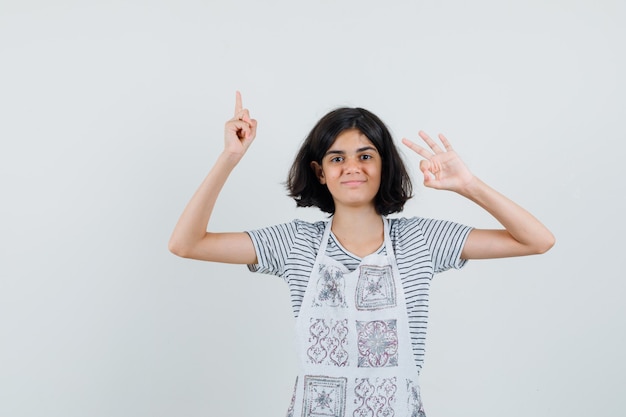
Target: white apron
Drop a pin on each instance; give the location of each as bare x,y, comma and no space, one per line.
353,339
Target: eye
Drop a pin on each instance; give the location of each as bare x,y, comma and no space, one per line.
336,159
366,156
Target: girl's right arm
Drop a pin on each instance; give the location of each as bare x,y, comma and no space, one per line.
190,238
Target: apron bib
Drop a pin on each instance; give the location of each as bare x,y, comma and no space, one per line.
354,344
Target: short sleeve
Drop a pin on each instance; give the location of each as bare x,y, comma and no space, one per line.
445,240
272,246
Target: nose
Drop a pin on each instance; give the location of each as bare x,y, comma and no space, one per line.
353,165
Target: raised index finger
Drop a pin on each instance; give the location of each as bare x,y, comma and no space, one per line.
238,105
418,149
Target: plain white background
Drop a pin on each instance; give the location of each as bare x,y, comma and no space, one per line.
112,112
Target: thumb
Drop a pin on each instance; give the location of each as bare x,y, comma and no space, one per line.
425,166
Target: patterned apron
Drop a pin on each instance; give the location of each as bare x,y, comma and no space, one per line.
353,340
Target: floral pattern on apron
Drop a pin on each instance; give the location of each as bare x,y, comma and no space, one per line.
329,339
330,287
354,342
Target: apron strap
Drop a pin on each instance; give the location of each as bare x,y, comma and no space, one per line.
321,252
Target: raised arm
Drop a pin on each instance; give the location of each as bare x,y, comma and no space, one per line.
190,238
522,235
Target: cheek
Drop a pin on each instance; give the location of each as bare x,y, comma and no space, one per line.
378,173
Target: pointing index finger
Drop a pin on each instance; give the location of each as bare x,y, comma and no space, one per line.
238,104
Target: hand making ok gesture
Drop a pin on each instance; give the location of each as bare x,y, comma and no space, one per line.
442,169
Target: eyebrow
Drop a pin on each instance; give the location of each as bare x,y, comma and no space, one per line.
340,152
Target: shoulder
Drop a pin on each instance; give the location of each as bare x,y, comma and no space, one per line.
443,240
423,224
280,245
426,230
295,230
401,226
309,228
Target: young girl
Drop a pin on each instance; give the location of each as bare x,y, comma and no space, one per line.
359,282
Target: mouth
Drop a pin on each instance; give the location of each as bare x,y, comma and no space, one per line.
352,183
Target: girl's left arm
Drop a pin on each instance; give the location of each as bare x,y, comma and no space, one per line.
522,235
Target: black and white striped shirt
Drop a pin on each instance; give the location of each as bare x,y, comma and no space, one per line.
422,247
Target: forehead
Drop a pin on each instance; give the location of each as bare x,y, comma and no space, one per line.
350,140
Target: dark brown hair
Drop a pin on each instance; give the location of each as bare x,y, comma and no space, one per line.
304,186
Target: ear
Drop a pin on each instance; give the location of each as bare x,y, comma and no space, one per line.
319,172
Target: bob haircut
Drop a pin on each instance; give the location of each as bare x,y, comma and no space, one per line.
304,186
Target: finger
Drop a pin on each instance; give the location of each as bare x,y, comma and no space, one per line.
445,142
425,167
248,135
430,142
253,124
238,105
244,132
249,132
242,115
416,148
238,126
237,123
245,115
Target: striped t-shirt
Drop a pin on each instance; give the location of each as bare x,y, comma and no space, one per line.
421,246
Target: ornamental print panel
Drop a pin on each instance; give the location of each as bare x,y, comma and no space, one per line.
330,288
324,396
377,343
375,288
375,399
328,342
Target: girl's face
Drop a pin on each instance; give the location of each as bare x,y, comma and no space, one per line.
351,169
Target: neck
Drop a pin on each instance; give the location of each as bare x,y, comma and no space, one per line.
355,220
359,230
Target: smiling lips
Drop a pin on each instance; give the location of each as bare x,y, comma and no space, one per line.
353,183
